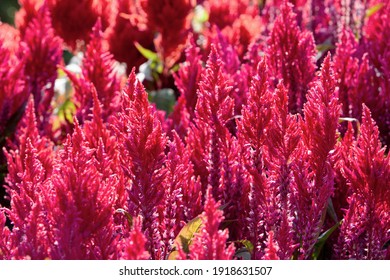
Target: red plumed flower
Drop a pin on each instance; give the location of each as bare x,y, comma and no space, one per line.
142,154
28,10
98,75
133,247
43,54
124,33
291,54
171,19
73,20
366,226
81,204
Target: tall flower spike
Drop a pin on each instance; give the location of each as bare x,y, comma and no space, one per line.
98,67
209,137
182,201
44,53
142,147
368,174
322,115
210,242
282,142
81,210
188,76
29,236
291,56
98,74
314,176
104,142
27,131
251,134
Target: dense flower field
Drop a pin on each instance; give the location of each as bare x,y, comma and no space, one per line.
183,129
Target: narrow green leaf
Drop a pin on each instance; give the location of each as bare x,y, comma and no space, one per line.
127,215
325,47
330,210
322,240
386,245
374,9
146,53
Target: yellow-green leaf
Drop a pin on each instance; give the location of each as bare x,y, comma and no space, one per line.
127,215
374,9
146,53
185,236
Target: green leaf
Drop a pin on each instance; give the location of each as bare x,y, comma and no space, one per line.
386,245
325,47
66,111
330,210
127,215
185,236
248,245
322,240
374,9
164,99
146,53
187,233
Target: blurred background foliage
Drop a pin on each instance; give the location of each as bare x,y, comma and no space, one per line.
7,10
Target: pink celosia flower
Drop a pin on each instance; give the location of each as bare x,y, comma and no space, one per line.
366,226
124,33
142,154
73,20
133,247
272,248
43,54
28,11
188,76
314,178
172,33
29,165
291,57
80,206
98,75
209,137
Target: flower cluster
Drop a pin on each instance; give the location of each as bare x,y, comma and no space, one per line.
195,130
